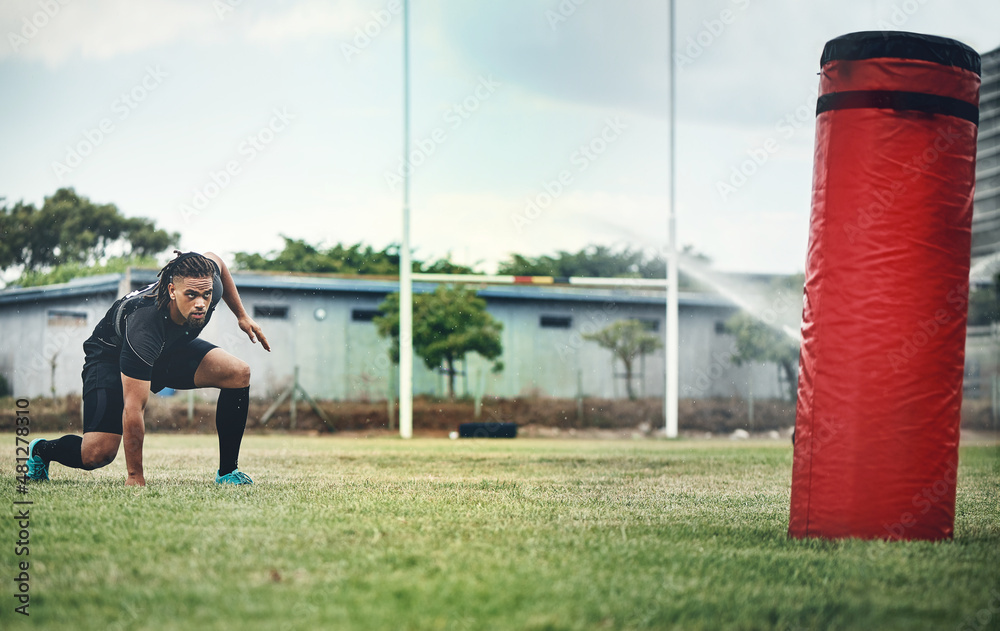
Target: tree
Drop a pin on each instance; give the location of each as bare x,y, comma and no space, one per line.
626,339
301,256
598,261
448,323
297,255
69,271
71,229
984,303
592,261
758,342
445,266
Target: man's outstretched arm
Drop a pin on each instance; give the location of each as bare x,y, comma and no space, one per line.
232,299
136,393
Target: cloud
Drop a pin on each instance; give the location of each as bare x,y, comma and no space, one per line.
313,18
607,54
485,228
57,31
764,63
742,61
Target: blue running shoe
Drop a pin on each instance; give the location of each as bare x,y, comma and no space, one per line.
38,469
234,477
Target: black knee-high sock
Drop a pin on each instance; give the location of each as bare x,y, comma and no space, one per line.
67,451
230,422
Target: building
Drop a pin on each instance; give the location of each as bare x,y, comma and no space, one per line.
986,204
982,356
323,325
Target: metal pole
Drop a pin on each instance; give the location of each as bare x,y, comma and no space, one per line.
405,278
392,399
292,413
671,392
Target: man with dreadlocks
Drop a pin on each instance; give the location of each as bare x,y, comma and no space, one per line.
148,340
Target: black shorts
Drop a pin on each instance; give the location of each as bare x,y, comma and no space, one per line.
103,401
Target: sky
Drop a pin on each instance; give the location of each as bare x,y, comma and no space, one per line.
536,125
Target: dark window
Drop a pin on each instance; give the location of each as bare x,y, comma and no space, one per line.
650,324
555,322
270,311
364,315
60,317
720,327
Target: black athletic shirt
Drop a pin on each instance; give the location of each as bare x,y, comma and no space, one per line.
134,333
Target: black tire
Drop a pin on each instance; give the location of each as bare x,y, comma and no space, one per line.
487,430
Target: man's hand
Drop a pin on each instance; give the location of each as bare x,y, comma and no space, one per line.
136,394
232,298
253,331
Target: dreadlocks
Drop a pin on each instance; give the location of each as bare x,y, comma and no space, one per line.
185,265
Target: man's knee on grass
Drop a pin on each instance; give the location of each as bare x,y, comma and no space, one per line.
100,454
98,459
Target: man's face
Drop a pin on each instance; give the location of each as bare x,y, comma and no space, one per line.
192,297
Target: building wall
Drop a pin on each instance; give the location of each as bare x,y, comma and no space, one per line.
41,344
554,358
982,363
330,337
341,357
986,207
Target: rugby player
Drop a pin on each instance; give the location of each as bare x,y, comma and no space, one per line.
147,341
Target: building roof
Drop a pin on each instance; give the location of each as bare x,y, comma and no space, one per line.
86,286
361,285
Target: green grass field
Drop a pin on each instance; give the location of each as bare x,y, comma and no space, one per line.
343,533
